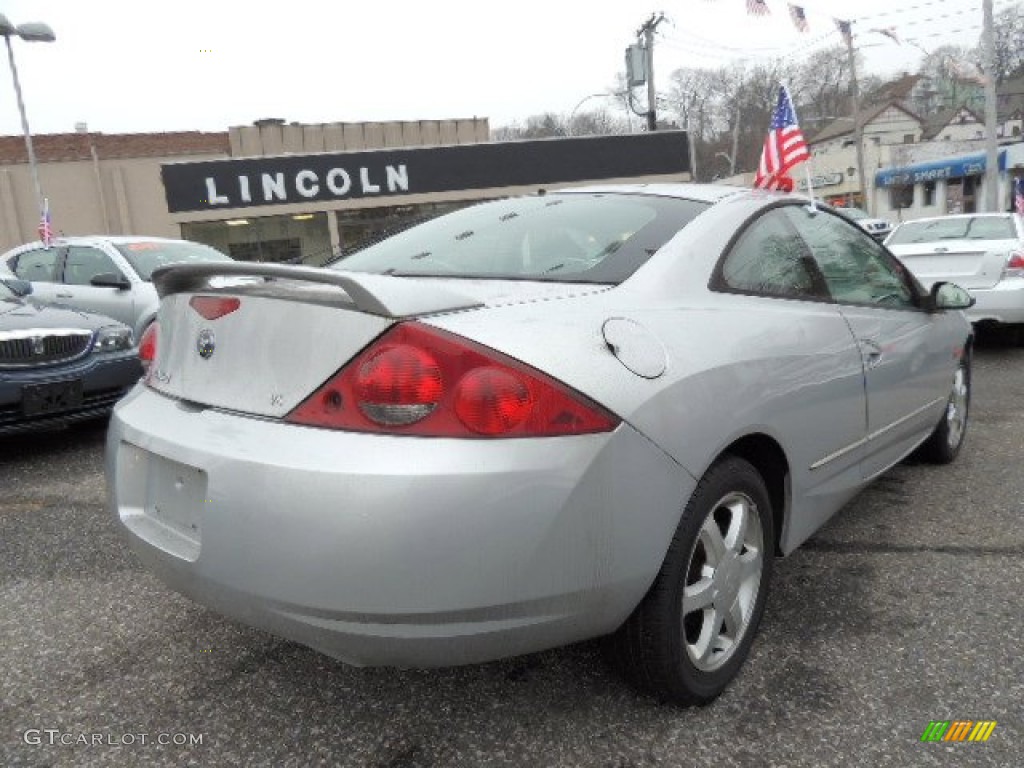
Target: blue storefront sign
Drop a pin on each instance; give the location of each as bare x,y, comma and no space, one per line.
947,168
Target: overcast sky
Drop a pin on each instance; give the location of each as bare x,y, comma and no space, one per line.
163,65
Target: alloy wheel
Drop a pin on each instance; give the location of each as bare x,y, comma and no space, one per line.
722,581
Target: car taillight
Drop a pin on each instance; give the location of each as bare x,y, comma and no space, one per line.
416,380
147,346
398,385
1014,265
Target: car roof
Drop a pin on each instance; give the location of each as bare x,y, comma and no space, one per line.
705,193
114,239
990,215
99,239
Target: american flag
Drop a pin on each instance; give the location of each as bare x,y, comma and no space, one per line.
799,16
757,8
46,224
889,32
1018,195
784,147
846,30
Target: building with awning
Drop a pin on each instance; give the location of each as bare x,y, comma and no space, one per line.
946,168
921,181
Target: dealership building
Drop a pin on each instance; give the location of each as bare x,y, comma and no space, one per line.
277,191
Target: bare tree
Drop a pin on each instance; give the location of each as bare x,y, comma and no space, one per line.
542,126
1009,28
822,86
598,122
951,77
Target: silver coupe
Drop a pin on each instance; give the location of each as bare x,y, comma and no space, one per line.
599,412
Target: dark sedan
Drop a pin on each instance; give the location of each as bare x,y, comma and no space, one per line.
57,365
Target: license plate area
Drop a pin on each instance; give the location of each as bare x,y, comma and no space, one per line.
162,500
51,397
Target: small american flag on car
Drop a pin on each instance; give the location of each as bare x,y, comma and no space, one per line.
784,147
46,224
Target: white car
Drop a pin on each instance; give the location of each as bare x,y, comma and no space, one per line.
105,275
877,228
983,252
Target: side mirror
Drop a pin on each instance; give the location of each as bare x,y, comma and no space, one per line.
110,280
20,287
950,296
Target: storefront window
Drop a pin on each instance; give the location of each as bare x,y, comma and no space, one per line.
361,227
901,196
296,238
929,193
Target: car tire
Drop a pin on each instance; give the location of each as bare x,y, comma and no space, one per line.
944,444
719,564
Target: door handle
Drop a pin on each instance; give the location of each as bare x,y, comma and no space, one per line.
65,296
872,352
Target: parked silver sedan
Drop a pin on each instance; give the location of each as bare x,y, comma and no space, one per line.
598,412
107,275
983,252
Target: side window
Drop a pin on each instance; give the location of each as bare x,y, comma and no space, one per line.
84,263
856,268
38,266
770,259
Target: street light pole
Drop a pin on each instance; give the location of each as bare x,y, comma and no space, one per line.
33,32
988,41
858,127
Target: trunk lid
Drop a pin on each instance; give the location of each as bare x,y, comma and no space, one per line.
294,327
969,264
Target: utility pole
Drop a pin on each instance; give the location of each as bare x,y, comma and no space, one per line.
858,129
647,31
735,140
988,42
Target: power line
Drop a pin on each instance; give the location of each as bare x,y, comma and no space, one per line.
928,4
713,50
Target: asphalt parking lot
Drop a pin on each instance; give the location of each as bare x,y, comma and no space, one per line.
907,607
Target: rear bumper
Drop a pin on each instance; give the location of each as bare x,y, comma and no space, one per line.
1003,303
391,550
105,380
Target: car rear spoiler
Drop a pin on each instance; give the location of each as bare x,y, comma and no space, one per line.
373,294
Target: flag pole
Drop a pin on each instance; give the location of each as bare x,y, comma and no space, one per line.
807,164
810,186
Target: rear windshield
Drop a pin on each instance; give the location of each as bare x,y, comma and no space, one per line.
601,238
148,255
966,228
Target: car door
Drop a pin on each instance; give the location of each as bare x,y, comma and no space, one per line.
811,360
908,363
40,267
81,264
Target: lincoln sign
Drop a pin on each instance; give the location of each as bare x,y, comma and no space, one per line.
286,179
